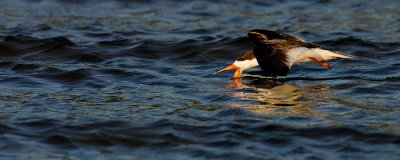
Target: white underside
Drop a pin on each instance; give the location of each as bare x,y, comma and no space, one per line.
246,64
302,54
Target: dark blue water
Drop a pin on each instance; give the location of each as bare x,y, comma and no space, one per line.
86,79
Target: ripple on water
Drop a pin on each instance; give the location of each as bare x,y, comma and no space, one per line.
125,80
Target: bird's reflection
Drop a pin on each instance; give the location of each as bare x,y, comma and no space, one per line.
268,96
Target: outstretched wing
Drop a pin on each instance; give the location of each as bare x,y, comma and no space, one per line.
273,35
272,58
271,50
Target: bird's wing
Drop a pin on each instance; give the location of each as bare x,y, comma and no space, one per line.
275,35
272,57
274,41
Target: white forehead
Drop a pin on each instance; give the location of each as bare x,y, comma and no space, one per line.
246,64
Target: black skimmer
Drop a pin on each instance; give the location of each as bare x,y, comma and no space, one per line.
276,52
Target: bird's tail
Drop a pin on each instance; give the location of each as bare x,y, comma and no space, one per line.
327,55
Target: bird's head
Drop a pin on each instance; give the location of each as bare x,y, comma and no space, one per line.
245,61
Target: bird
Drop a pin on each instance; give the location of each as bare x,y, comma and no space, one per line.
276,52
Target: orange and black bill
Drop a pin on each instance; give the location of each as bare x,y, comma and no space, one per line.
230,67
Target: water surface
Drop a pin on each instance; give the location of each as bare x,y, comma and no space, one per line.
124,79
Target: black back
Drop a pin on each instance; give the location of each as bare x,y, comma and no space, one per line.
271,48
274,35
